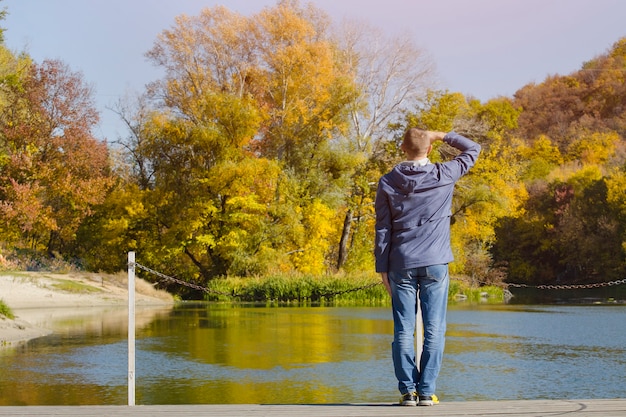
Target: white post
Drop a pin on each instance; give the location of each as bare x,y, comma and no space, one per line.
131,328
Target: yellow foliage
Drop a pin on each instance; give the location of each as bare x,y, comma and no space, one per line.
318,219
616,191
320,227
542,148
249,176
584,176
232,241
597,148
206,240
135,208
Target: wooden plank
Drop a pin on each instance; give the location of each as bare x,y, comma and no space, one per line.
531,408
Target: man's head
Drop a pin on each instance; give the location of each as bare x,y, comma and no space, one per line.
416,143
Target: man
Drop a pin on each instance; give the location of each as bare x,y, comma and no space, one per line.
413,209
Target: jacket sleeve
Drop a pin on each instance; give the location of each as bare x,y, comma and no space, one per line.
470,150
383,229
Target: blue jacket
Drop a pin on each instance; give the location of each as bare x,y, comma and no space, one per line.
413,209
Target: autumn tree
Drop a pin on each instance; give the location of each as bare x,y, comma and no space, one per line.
491,190
232,151
53,170
391,73
124,221
572,231
572,132
589,235
590,99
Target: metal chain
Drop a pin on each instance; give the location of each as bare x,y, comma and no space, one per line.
181,282
570,287
332,294
210,291
363,287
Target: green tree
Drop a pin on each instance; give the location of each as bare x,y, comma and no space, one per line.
572,230
589,233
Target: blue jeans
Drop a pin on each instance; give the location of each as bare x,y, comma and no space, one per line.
431,283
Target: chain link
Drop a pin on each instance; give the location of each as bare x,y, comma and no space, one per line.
234,295
181,282
363,287
332,294
570,287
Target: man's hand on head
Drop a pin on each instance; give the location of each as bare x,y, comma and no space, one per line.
434,136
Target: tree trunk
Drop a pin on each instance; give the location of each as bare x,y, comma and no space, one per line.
343,243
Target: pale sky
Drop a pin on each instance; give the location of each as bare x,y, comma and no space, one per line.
481,48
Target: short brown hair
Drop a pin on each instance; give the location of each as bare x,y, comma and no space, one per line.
416,142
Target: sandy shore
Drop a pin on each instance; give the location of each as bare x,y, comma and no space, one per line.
31,295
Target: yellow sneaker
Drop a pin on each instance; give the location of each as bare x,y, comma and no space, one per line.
428,399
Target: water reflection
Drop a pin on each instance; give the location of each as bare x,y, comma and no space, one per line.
214,353
538,352
267,355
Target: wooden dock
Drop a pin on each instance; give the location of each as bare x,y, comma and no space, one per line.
518,408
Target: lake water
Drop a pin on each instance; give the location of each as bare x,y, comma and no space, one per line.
217,353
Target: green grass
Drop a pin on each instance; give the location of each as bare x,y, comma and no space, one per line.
300,289
460,292
338,290
6,311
